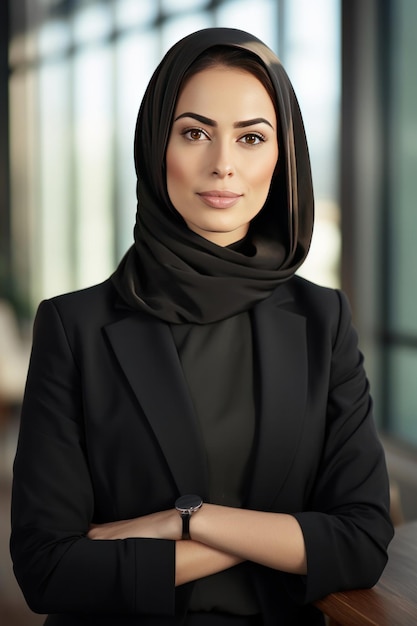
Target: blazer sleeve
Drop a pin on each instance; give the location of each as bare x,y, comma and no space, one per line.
347,526
58,568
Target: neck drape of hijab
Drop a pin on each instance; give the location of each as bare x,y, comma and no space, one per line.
173,273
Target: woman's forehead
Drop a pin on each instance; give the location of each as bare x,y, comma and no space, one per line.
221,90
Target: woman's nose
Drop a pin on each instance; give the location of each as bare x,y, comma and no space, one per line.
222,165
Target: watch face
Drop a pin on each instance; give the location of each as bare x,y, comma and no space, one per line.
188,503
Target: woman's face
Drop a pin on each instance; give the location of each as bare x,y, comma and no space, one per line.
221,153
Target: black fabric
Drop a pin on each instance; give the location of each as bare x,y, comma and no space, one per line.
217,361
218,366
173,273
221,619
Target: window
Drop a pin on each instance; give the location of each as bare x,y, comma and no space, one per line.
401,228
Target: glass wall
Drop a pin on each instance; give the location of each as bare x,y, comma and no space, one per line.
401,228
78,72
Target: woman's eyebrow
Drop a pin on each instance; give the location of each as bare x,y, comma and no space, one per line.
210,122
256,120
199,118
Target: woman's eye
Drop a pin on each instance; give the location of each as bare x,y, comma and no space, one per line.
252,139
194,134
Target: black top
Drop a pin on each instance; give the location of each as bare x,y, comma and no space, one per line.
218,366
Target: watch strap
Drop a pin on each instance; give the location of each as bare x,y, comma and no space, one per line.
186,525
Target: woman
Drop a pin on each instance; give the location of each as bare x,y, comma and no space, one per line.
202,367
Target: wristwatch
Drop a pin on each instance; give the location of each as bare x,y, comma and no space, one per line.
186,506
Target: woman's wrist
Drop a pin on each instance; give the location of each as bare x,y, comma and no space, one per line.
187,506
201,520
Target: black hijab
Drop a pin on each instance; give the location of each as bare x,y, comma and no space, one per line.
175,274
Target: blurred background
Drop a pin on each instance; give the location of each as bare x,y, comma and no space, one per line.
72,74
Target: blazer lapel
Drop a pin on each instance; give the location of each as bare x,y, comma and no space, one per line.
147,354
280,345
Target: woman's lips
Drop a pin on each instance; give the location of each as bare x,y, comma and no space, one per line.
219,199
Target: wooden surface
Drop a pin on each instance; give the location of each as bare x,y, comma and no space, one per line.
393,600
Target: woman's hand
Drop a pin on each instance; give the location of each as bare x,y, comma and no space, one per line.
161,525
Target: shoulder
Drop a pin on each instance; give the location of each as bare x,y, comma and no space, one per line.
308,298
325,309
91,307
102,294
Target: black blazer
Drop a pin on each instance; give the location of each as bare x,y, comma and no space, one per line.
108,432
